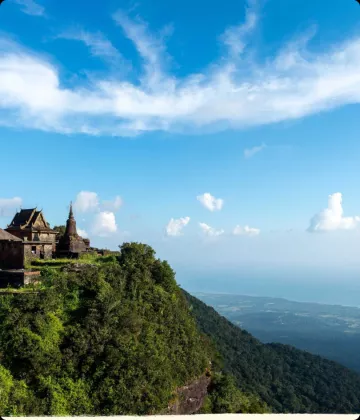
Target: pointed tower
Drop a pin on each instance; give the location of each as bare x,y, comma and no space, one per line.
71,244
71,224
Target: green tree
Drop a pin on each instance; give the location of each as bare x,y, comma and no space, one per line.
61,231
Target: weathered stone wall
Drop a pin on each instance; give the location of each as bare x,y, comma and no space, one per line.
35,251
48,251
32,251
190,398
11,279
18,278
11,255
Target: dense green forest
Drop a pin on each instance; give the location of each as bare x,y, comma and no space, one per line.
112,338
287,379
120,337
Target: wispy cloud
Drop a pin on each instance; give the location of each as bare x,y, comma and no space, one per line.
248,153
30,7
236,37
9,205
151,49
245,231
98,45
332,218
210,231
291,84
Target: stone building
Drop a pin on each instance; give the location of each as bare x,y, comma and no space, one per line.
11,252
39,241
71,244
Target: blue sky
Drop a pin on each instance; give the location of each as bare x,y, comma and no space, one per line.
224,134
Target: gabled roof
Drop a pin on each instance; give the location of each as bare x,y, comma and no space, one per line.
22,217
6,236
26,218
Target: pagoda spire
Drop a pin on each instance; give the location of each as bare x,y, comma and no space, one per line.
71,224
71,214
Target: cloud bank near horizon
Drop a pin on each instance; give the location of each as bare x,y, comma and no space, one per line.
234,91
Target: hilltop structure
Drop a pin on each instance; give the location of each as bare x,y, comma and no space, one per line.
30,237
11,251
71,244
39,240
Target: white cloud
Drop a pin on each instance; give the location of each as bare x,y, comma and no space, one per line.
104,224
332,218
9,205
235,37
150,48
86,201
245,231
248,153
112,205
210,202
82,233
98,45
30,7
230,93
210,231
175,226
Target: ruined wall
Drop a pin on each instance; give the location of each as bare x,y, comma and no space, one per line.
18,278
43,237
48,251
11,255
35,251
11,279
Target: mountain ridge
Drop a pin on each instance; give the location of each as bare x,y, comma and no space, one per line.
287,379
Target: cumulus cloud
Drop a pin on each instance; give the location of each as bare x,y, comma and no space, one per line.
9,205
86,201
104,224
248,153
30,7
290,84
175,226
332,218
82,233
245,231
210,231
210,202
112,205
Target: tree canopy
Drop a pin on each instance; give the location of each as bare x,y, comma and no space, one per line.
117,338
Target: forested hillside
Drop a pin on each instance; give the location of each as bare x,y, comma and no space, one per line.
120,337
287,379
106,339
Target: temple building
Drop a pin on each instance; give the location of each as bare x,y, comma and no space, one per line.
39,240
71,244
11,251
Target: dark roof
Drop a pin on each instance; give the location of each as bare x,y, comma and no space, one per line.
26,218
23,217
6,236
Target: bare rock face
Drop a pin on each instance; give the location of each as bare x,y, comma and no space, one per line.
190,398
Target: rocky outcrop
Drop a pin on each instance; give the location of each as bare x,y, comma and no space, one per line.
190,398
